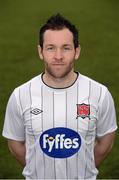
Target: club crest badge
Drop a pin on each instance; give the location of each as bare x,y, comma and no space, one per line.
83,110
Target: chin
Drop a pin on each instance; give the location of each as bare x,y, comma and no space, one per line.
59,76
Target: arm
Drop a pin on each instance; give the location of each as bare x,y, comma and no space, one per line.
103,147
18,150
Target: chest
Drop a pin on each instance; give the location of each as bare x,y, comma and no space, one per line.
61,109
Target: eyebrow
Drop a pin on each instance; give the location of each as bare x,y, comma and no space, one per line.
54,45
47,45
67,45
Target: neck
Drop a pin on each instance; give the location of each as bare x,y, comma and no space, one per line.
60,82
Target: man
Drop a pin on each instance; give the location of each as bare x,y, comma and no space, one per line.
60,124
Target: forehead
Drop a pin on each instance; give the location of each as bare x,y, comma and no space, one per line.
63,36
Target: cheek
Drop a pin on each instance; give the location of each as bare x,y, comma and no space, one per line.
70,57
47,57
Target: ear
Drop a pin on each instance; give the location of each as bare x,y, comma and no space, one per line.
40,52
78,50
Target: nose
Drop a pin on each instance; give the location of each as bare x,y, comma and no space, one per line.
58,54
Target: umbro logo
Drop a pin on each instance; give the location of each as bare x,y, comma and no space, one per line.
36,111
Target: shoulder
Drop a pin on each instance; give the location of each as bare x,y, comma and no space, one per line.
27,85
96,89
92,82
22,93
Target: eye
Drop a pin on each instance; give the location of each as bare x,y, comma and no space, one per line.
51,48
67,48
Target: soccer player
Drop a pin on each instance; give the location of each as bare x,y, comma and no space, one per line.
60,124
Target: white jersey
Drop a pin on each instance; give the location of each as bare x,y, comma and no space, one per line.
59,126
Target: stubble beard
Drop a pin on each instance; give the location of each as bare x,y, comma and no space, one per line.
59,74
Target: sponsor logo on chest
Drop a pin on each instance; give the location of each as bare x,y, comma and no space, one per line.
60,142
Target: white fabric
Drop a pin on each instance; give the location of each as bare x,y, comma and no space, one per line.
58,108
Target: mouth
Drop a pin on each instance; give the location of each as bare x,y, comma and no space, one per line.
57,64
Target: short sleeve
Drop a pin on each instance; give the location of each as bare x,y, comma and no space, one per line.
13,125
106,122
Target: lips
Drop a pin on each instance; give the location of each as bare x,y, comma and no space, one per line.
58,64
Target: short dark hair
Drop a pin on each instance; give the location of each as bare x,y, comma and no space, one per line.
58,22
